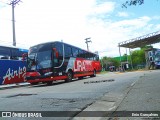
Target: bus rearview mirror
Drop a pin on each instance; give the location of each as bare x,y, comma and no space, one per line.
23,56
56,52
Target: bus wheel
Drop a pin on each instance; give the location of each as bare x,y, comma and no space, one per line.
94,74
69,76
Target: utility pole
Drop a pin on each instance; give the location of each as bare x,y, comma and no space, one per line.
13,3
87,41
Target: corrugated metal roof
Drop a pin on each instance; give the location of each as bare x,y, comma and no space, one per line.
141,41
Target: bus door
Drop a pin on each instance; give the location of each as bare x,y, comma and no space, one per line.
58,59
55,61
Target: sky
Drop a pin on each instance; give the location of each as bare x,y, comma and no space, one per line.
72,21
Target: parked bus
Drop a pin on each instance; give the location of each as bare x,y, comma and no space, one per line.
153,58
157,59
60,61
12,67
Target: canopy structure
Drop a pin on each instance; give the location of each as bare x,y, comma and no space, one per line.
141,41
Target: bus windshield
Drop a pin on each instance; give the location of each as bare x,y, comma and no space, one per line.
39,60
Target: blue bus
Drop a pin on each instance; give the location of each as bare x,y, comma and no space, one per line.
12,67
157,59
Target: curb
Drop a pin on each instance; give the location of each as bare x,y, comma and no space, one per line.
107,103
8,86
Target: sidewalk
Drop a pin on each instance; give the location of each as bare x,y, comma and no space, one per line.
143,96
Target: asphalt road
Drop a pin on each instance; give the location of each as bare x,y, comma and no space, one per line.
106,92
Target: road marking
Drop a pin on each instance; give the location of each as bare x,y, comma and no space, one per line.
112,108
133,84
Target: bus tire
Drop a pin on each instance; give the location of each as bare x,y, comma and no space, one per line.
69,76
94,74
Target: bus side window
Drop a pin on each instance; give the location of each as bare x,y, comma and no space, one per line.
89,56
4,57
97,57
94,57
81,54
85,54
68,51
74,52
14,58
14,54
5,53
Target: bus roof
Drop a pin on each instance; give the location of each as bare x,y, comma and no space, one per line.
9,46
63,43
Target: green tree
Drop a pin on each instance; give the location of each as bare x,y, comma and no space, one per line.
108,61
132,2
147,47
138,57
116,63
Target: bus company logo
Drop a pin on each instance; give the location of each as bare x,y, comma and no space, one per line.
11,74
6,114
82,65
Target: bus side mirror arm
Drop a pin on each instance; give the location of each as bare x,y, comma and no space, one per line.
24,55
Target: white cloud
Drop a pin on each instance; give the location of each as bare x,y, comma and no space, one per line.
104,8
135,23
156,17
122,14
71,21
158,27
111,33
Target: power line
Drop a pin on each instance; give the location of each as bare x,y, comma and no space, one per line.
14,2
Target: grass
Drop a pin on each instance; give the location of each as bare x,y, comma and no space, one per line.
104,72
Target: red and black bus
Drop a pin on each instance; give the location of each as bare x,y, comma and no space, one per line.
60,61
